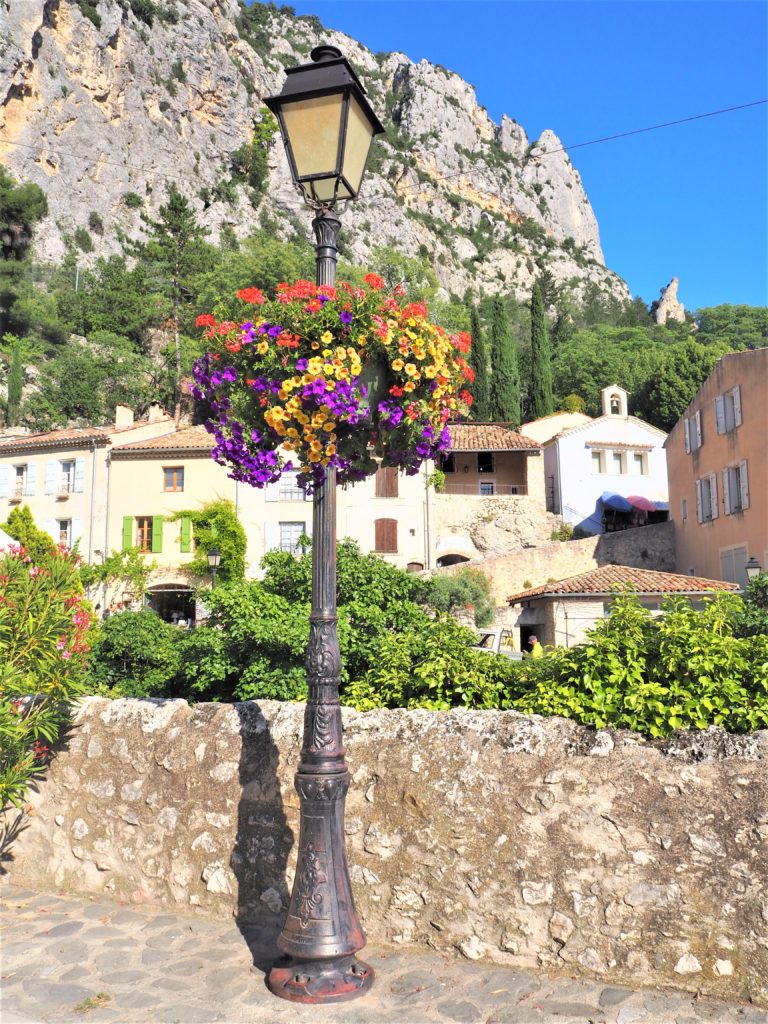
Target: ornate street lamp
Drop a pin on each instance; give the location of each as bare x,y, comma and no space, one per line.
214,561
327,126
753,569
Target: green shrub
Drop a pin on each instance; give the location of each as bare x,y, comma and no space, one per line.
132,200
685,669
95,223
20,525
83,240
135,654
44,632
467,588
177,71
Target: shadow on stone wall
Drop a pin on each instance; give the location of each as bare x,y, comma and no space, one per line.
263,840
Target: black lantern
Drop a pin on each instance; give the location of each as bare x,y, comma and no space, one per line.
327,126
753,569
214,560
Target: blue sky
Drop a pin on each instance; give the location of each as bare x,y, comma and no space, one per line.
689,201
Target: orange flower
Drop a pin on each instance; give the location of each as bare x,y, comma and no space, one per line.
251,295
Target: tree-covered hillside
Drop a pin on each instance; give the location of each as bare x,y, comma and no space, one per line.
77,341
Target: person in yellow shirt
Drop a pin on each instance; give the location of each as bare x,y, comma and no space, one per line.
536,650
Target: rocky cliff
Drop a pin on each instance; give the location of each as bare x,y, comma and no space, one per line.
103,102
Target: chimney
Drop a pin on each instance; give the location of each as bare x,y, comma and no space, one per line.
156,413
123,416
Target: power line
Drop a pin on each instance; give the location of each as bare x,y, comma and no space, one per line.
594,142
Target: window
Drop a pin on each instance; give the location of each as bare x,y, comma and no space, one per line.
693,432
487,487
288,489
684,509
387,478
640,463
449,463
19,481
64,532
67,478
733,563
289,537
485,462
617,463
728,411
386,535
706,499
736,488
173,478
144,533
598,462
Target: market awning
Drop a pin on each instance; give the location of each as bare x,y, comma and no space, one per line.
644,504
615,502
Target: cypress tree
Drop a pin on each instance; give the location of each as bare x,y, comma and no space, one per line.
478,360
504,397
15,383
540,398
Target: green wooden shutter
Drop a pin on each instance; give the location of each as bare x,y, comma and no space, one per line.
127,532
157,534
186,534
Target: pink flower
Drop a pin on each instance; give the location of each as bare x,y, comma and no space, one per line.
66,655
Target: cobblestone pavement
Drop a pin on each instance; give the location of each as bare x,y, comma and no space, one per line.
68,958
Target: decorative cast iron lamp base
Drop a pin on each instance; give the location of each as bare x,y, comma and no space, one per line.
312,981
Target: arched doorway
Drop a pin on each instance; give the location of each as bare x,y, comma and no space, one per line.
173,602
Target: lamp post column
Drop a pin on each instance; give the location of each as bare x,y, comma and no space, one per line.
321,933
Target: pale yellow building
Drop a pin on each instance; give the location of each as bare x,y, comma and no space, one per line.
63,476
717,459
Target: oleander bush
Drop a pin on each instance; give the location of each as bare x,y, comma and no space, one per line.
45,627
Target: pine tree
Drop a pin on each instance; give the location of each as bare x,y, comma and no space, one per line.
540,394
504,391
174,252
478,360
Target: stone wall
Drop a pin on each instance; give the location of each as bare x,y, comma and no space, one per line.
491,835
647,547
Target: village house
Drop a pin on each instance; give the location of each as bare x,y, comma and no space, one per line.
717,459
560,613
607,473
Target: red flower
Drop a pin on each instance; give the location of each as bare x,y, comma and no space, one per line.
466,397
463,341
205,320
252,295
374,281
396,391
469,374
417,310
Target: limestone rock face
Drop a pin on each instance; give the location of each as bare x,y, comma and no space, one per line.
94,114
669,307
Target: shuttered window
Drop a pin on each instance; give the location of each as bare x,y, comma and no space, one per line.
386,536
387,481
144,533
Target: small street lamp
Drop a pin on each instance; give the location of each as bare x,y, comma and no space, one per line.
327,127
753,569
214,560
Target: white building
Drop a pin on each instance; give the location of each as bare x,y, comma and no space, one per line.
607,472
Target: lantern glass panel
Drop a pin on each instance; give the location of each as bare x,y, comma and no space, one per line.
313,127
358,142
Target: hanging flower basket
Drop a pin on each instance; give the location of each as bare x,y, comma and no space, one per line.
328,376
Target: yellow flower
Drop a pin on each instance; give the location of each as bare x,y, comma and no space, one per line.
397,365
430,371
315,345
330,450
282,394
326,338
262,348
409,386
341,353
313,456
315,366
316,445
411,370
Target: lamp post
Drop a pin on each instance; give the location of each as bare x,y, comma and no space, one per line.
753,569
214,561
327,126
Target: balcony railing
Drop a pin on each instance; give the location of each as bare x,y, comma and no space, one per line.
498,491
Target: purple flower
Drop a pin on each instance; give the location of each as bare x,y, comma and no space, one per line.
301,365
345,317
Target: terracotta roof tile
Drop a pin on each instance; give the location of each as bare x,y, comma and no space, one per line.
186,439
608,577
488,437
55,438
